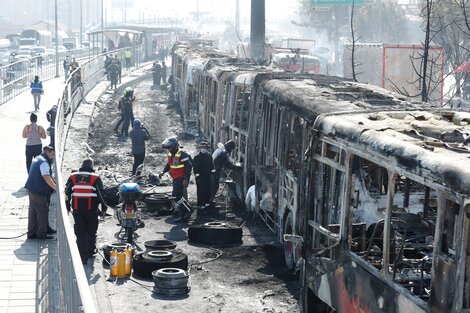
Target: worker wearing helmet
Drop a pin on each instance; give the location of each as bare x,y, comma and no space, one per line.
127,112
179,165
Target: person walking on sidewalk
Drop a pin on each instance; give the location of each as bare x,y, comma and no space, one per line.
128,56
203,169
84,192
40,186
66,68
33,134
36,90
139,135
51,115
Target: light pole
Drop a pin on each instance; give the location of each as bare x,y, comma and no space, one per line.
56,41
102,25
81,23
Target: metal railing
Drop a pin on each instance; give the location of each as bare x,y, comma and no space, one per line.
15,78
74,284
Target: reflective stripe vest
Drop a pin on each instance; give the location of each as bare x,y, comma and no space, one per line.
127,54
83,188
36,87
176,163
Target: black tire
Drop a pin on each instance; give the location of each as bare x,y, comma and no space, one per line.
288,228
215,235
159,245
144,269
130,234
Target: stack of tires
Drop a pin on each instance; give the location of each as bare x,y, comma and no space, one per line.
171,282
159,254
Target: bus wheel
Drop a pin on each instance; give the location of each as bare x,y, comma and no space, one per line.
289,246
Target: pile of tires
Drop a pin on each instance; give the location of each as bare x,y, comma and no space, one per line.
215,233
150,261
107,248
170,282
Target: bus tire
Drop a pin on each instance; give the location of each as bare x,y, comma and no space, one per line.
288,228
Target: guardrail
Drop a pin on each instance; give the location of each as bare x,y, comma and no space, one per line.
74,284
16,76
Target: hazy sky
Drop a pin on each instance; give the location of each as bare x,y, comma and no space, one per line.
275,9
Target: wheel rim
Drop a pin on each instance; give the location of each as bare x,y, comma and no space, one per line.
160,254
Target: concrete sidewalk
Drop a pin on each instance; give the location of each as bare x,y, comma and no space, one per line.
28,269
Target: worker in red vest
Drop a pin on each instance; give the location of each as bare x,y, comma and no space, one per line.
179,165
84,192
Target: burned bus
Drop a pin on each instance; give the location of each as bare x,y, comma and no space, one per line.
186,61
368,193
226,111
376,187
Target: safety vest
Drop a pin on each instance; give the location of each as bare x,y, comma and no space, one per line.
177,167
127,54
83,188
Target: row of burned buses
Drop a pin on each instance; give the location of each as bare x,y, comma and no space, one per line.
368,193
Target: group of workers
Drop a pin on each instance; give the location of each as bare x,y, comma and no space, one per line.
159,73
84,189
207,169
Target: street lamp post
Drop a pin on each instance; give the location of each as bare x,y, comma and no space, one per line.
56,41
102,25
81,24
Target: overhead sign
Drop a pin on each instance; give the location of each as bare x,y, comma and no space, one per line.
336,2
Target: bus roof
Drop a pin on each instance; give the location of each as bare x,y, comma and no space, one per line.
428,143
312,95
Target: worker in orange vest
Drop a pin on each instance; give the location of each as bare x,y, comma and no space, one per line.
179,165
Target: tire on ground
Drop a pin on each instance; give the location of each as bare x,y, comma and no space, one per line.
218,234
144,269
159,245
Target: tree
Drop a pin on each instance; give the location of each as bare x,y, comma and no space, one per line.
384,22
448,26
389,16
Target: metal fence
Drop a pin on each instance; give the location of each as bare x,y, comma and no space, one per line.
16,77
74,284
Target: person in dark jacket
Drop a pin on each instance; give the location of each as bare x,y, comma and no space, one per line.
51,115
179,165
157,74
114,74
40,186
139,135
36,90
164,72
84,192
127,111
203,169
221,160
